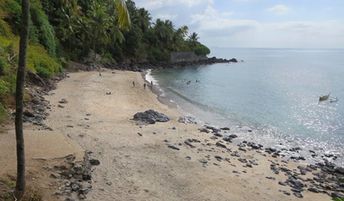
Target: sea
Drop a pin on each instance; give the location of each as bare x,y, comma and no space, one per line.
272,92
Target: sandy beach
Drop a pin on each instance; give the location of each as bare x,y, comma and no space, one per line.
139,162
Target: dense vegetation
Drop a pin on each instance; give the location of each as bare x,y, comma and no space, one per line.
78,30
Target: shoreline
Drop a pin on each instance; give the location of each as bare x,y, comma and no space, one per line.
288,150
163,161
156,89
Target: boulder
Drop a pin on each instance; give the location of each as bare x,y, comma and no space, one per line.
150,117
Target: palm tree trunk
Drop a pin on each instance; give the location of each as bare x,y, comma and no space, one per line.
20,184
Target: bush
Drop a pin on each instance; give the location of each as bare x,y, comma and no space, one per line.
5,30
3,65
201,50
43,71
40,62
4,88
12,12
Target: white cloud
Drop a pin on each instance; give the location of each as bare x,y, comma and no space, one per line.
218,29
212,20
279,9
166,16
156,4
225,29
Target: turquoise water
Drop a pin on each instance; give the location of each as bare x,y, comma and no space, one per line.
274,91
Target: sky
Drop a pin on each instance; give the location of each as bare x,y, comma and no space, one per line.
256,23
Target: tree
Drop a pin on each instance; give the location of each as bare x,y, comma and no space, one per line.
123,14
193,38
20,184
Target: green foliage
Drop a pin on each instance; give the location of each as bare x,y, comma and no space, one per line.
3,113
5,30
3,65
82,26
338,199
8,184
44,30
201,50
39,61
4,88
11,10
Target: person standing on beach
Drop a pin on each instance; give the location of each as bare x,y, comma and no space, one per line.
99,70
133,83
151,85
144,85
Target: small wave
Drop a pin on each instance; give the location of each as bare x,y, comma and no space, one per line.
149,78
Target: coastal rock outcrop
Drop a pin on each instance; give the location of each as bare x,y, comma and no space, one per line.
150,117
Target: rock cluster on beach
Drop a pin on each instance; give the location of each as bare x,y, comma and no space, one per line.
36,108
324,177
150,117
74,178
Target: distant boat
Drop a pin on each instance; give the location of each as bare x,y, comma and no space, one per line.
324,98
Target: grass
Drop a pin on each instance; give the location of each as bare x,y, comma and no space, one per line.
6,191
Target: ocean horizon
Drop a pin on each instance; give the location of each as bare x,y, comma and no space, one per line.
274,92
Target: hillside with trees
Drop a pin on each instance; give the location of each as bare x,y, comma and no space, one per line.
74,30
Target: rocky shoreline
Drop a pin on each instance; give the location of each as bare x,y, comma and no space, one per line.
138,67
141,66
323,177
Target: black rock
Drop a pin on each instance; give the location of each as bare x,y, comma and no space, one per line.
339,170
219,144
232,136
337,195
63,101
282,183
298,195
213,129
314,190
94,162
270,150
187,120
254,145
150,117
204,130
295,149
173,147
227,139
219,158
234,60
188,142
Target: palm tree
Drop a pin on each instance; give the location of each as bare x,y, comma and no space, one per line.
123,14
144,19
20,184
